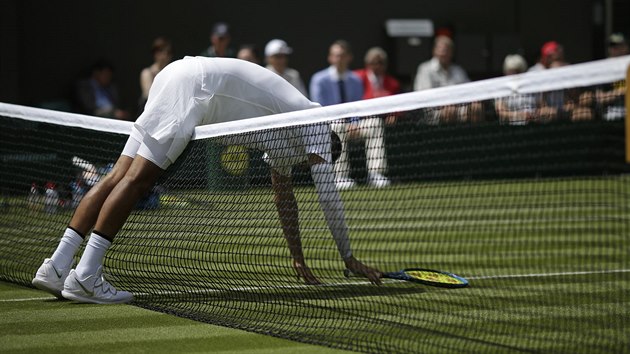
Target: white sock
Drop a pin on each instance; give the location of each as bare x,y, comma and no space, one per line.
68,246
93,256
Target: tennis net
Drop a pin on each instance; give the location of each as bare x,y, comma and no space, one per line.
518,183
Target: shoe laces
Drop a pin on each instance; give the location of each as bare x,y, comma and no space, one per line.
103,283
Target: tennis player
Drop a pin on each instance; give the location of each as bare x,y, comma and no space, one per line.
188,93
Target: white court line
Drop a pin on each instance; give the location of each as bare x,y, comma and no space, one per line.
29,299
540,275
254,288
250,288
385,281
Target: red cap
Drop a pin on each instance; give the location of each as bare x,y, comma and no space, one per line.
549,48
444,31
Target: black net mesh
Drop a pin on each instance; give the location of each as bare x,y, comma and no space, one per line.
531,207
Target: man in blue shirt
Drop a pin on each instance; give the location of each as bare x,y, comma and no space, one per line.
337,84
98,95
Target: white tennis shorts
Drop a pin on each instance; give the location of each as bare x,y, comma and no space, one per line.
148,148
198,91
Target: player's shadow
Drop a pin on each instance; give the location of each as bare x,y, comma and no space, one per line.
301,293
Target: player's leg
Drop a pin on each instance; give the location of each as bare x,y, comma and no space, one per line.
169,101
87,212
139,179
52,273
86,283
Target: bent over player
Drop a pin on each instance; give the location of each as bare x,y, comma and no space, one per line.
188,93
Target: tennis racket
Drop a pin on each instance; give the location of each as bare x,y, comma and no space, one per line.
423,276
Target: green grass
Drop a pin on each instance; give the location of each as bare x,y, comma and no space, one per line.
35,322
547,261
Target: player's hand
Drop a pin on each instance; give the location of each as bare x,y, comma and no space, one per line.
305,273
356,267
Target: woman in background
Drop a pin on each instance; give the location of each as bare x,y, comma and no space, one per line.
162,50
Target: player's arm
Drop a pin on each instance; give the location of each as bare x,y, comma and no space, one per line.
330,201
288,212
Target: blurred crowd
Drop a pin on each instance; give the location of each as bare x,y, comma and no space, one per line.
98,95
338,83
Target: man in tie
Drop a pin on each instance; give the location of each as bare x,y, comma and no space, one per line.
338,84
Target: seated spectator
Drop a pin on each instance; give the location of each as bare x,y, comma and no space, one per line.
611,98
617,45
219,42
440,71
277,54
249,52
162,51
337,84
550,52
98,95
575,104
376,81
521,109
552,56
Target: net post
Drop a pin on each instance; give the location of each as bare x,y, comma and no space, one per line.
627,116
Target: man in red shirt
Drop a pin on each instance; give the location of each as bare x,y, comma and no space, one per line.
376,81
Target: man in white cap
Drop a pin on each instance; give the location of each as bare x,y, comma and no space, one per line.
277,56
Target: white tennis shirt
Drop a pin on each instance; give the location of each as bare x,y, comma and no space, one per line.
197,91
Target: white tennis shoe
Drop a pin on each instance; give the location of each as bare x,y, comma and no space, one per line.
94,289
50,278
344,183
377,180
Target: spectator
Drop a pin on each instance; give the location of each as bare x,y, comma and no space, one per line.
162,51
337,84
520,109
551,55
611,98
550,52
617,45
440,71
575,104
514,64
249,52
376,81
98,94
277,54
219,42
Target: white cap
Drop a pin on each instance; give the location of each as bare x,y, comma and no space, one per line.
514,62
277,46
